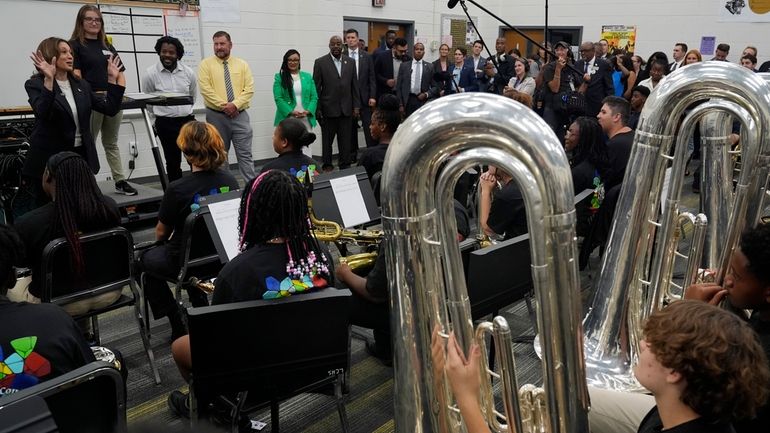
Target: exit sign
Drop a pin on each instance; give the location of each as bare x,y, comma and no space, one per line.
378,3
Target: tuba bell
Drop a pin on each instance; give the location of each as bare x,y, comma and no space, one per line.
427,155
626,289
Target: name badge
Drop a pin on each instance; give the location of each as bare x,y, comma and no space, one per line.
107,52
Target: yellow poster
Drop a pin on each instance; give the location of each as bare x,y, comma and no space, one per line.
619,38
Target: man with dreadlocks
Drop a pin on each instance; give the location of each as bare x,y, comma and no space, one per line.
279,256
78,206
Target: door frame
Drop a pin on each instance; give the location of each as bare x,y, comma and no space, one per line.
408,26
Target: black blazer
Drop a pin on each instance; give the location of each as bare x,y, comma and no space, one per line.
55,125
383,69
367,83
599,87
404,86
336,92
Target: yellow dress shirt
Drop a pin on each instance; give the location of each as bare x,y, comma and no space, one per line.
211,82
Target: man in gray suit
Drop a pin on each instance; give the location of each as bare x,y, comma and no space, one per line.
367,87
338,101
415,82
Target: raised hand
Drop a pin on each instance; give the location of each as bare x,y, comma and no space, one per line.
113,68
47,69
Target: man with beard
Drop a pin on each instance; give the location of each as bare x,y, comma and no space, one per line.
170,76
227,85
415,82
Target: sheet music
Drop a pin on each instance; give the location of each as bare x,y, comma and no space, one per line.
350,200
225,217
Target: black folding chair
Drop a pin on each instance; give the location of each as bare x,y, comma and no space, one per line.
268,351
198,258
30,415
108,261
90,399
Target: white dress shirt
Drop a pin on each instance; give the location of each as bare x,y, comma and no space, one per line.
353,54
160,80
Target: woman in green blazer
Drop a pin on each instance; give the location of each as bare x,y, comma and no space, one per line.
294,92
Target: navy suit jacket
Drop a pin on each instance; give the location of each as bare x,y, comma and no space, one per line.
467,80
55,124
367,83
383,69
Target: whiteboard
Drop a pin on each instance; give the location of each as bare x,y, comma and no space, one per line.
133,30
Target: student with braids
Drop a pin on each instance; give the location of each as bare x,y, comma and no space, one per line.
77,207
289,138
43,334
204,150
277,246
385,121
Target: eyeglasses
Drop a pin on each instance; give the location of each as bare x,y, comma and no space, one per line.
92,19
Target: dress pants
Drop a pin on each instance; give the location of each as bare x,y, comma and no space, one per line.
239,132
412,104
109,126
341,127
366,120
167,129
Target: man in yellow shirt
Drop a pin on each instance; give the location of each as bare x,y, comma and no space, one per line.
227,85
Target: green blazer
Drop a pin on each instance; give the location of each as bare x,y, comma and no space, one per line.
284,103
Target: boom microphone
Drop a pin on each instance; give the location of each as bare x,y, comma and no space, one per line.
452,3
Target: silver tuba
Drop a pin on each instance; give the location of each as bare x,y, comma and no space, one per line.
426,157
626,291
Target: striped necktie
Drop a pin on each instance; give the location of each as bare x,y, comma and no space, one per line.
228,83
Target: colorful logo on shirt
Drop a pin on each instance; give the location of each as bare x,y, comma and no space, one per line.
23,368
213,191
304,172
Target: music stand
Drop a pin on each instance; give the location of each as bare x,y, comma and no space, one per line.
326,204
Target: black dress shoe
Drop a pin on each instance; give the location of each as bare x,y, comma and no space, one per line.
179,404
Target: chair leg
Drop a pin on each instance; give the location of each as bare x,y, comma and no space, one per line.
341,404
146,303
146,342
235,414
274,417
531,312
95,330
193,406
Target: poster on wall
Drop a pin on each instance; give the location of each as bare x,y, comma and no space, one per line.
745,11
457,31
619,37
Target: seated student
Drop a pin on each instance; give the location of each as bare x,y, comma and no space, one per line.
703,366
42,334
204,150
639,96
584,142
289,137
385,120
370,303
276,243
746,287
504,215
78,206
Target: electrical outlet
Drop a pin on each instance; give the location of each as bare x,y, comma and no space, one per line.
133,149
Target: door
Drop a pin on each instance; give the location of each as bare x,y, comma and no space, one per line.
377,32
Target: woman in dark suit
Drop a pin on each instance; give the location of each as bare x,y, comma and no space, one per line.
294,92
62,105
462,75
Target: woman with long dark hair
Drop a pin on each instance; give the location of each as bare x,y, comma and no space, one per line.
93,53
584,143
78,206
294,92
63,105
277,248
